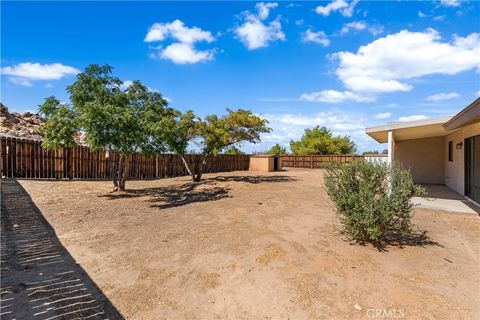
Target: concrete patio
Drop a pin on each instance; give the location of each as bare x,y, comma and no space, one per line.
440,197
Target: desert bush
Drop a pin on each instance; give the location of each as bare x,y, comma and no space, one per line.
368,209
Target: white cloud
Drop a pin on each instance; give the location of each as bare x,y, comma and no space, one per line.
263,9
126,84
354,25
318,37
345,8
333,96
254,33
360,26
183,53
472,42
450,3
478,93
422,15
439,18
24,73
442,96
178,31
183,50
416,117
375,29
331,119
291,126
382,115
21,81
384,64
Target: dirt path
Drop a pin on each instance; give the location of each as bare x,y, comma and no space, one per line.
40,280
243,246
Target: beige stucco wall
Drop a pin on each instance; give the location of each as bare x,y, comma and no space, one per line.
264,164
454,170
424,157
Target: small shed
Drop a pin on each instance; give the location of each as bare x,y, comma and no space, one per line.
264,163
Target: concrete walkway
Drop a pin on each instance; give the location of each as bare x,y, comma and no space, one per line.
40,279
443,198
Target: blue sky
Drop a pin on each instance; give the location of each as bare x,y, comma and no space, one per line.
341,64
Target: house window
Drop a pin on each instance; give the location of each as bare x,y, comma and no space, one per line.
450,150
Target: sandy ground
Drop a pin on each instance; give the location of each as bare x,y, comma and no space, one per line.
243,246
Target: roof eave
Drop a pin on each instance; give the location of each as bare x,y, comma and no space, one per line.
469,115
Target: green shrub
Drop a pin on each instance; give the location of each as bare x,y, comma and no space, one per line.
367,210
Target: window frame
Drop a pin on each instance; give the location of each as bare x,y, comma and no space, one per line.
450,151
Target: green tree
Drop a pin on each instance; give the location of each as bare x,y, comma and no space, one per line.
212,134
233,150
111,118
277,150
61,126
370,152
320,140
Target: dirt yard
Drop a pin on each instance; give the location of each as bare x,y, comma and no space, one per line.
243,246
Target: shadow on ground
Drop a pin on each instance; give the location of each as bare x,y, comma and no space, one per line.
180,195
411,239
40,279
414,238
174,196
253,179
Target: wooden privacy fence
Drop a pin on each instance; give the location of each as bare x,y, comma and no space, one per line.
314,162
27,159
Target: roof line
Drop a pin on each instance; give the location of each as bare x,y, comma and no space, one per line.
466,109
407,124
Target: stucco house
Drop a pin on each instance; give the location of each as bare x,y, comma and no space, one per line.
438,151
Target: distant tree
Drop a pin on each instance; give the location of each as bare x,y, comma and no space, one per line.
320,140
370,152
111,118
385,151
277,150
233,150
212,134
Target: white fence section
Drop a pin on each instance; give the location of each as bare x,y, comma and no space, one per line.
376,158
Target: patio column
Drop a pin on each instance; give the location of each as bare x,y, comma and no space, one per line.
391,145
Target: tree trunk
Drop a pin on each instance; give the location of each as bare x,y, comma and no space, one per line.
119,177
187,166
198,177
113,170
124,175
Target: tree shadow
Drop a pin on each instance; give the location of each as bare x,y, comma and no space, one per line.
252,179
40,279
187,193
175,196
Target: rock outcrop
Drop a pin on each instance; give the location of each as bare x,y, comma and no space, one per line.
27,125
